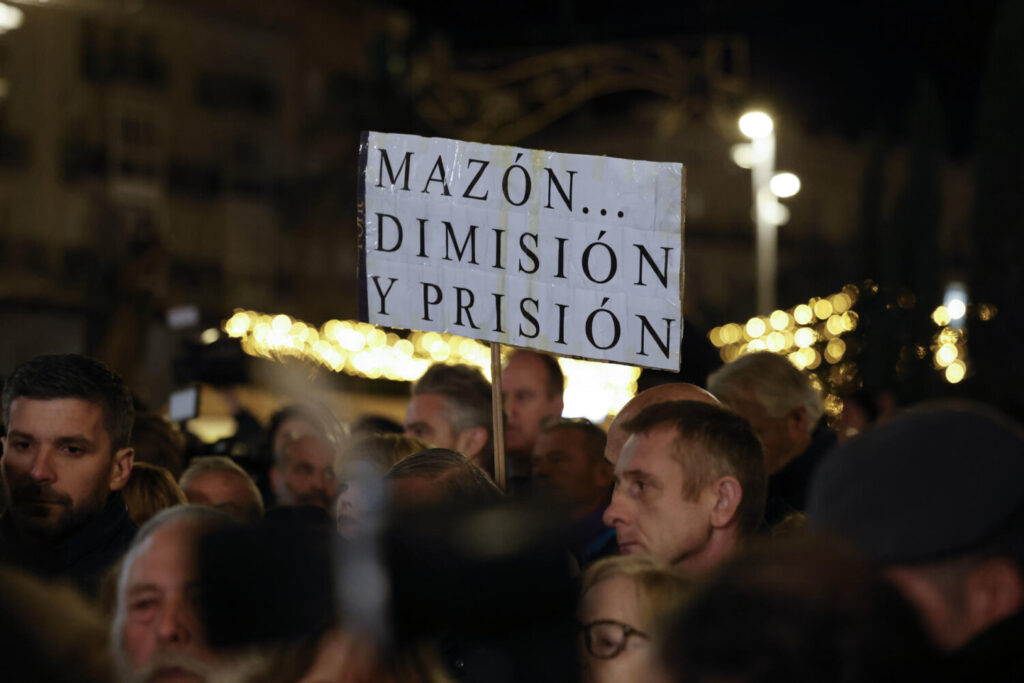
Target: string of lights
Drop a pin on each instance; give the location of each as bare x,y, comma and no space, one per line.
593,390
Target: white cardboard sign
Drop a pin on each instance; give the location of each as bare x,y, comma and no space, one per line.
570,254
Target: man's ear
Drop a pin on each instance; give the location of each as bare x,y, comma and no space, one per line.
121,468
727,494
994,590
799,424
471,441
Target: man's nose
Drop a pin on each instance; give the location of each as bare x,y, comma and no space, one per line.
42,469
176,622
615,513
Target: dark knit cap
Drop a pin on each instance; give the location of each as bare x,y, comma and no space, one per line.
936,482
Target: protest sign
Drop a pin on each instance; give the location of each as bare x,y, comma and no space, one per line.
570,254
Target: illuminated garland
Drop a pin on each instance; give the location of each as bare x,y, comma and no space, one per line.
593,390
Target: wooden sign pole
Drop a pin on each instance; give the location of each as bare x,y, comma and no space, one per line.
497,417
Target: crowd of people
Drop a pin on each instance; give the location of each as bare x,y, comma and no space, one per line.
709,535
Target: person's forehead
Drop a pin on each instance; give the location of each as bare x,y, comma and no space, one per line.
649,452
58,418
523,371
167,556
427,408
612,598
219,480
310,450
560,438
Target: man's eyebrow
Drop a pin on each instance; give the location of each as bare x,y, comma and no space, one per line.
143,588
14,433
74,440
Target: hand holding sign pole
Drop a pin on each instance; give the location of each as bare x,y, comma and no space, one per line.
570,254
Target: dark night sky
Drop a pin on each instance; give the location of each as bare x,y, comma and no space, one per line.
846,68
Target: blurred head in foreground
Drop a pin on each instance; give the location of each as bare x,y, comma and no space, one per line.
799,610
936,496
157,632
622,604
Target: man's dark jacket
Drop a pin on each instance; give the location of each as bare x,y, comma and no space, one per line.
83,556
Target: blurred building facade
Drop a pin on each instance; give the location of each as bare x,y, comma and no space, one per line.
161,154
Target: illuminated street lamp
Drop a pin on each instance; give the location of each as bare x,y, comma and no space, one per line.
769,214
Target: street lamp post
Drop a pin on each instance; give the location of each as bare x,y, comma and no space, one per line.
767,187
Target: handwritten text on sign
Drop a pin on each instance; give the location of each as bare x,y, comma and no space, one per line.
572,254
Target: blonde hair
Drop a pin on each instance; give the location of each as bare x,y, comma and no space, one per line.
150,489
658,589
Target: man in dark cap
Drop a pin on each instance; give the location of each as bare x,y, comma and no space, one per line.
66,457
936,497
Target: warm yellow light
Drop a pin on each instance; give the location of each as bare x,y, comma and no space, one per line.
946,354
716,337
440,350
756,345
810,357
833,405
281,324
775,342
940,316
756,124
834,350
805,337
797,359
948,336
376,338
784,185
834,325
732,333
803,314
849,321
956,372
238,324
755,327
822,309
779,320
841,302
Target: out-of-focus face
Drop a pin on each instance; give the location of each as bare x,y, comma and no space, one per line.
777,435
560,465
224,490
58,466
307,475
290,429
615,599
648,510
426,418
161,637
524,392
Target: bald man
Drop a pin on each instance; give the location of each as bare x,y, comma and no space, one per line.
677,391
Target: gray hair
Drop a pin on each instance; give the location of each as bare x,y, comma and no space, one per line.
466,392
220,463
775,383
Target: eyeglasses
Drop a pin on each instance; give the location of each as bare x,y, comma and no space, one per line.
606,638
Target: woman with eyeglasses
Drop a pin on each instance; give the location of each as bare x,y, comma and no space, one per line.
622,601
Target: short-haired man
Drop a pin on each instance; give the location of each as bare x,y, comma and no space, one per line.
451,408
568,464
303,473
689,485
936,498
531,391
157,632
65,460
219,482
785,410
